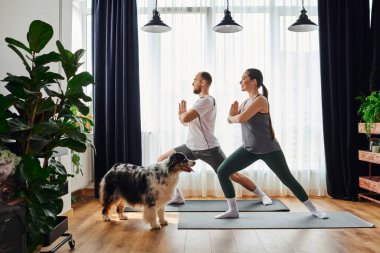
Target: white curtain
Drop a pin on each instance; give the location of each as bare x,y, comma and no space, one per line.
289,62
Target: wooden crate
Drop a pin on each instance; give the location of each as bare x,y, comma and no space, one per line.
370,183
368,156
375,129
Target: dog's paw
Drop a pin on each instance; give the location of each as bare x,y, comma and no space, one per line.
155,226
164,222
122,217
106,218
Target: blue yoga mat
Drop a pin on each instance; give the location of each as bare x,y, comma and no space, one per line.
278,220
221,206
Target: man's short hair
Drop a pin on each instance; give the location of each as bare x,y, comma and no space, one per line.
206,76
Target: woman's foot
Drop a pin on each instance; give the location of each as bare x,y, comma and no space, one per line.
319,214
229,214
232,212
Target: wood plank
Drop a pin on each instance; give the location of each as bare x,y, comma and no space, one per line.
370,183
368,156
223,241
198,241
375,129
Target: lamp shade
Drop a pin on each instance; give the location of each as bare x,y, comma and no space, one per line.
303,24
156,25
227,25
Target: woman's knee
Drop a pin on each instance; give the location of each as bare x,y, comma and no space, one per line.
223,172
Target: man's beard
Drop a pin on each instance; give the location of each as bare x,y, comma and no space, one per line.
196,91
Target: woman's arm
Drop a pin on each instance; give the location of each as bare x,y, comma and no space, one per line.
258,105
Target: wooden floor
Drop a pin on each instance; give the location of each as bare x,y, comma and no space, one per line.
92,235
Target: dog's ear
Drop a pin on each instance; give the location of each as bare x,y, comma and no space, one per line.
175,159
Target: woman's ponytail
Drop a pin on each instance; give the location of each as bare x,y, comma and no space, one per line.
265,93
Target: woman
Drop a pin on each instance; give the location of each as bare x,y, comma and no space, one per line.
258,143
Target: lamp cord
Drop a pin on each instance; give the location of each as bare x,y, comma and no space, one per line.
228,5
156,6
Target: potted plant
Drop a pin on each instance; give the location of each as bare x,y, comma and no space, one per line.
36,117
369,110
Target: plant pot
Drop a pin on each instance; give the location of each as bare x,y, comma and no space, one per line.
61,226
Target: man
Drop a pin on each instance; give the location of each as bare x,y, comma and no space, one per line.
201,141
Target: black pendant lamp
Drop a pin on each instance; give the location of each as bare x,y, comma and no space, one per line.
156,25
227,25
303,24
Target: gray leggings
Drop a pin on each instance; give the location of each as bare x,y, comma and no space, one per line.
241,159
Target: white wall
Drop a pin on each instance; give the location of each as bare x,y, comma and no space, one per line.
80,181
15,18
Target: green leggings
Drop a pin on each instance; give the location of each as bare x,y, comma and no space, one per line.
241,159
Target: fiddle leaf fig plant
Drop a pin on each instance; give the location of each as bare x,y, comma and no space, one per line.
35,117
369,109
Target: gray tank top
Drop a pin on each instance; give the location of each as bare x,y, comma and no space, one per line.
256,134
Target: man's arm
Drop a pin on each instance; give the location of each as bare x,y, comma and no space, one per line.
188,116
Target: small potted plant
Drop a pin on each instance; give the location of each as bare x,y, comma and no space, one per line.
369,110
8,163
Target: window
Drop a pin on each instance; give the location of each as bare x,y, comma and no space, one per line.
289,62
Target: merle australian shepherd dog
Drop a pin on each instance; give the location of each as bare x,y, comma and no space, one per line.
152,187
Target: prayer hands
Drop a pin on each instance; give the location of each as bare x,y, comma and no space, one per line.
234,110
182,107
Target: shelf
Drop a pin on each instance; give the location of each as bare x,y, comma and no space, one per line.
374,130
370,196
370,183
368,156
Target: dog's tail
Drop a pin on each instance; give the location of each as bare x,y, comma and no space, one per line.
107,190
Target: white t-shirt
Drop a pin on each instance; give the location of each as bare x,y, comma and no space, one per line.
201,130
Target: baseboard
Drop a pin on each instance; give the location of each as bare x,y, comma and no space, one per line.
84,192
69,213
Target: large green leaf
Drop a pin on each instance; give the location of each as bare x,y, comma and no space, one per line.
37,143
82,79
78,55
17,124
57,167
47,58
6,101
16,90
74,91
68,62
72,144
52,93
21,56
39,35
22,80
53,76
82,108
45,128
45,104
17,44
33,172
75,135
